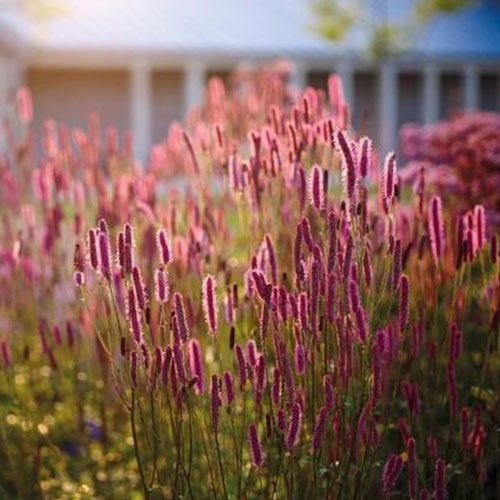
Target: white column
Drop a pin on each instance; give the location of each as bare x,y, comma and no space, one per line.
431,93
5,84
471,86
140,107
194,84
298,76
388,107
345,70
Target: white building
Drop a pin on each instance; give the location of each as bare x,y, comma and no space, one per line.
142,63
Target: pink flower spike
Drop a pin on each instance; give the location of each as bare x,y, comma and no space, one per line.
440,480
412,468
24,105
181,317
162,286
228,382
196,365
367,269
389,176
300,358
255,446
404,293
390,474
349,167
92,248
319,428
260,378
134,316
436,228
354,296
179,363
316,192
242,366
129,234
252,352
294,426
210,303
128,261
120,249
276,387
140,291
366,154
104,255
480,226
328,394
164,247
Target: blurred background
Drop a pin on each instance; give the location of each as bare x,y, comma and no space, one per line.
141,64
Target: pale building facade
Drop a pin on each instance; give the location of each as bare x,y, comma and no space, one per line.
143,66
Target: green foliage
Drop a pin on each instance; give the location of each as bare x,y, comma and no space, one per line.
334,21
427,9
386,40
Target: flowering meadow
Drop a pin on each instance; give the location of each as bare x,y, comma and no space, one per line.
263,310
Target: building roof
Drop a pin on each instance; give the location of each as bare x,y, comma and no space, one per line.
473,32
240,28
259,27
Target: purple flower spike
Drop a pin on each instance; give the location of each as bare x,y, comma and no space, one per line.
162,287
196,365
255,446
134,316
242,366
348,163
316,191
104,255
294,426
210,303
164,248
319,428
92,248
390,474
228,382
366,155
181,317
440,480
436,228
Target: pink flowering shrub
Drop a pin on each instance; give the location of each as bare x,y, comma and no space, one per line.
461,156
277,325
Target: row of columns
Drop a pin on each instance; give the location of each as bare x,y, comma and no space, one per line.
388,94
140,92
141,100
388,98
195,78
